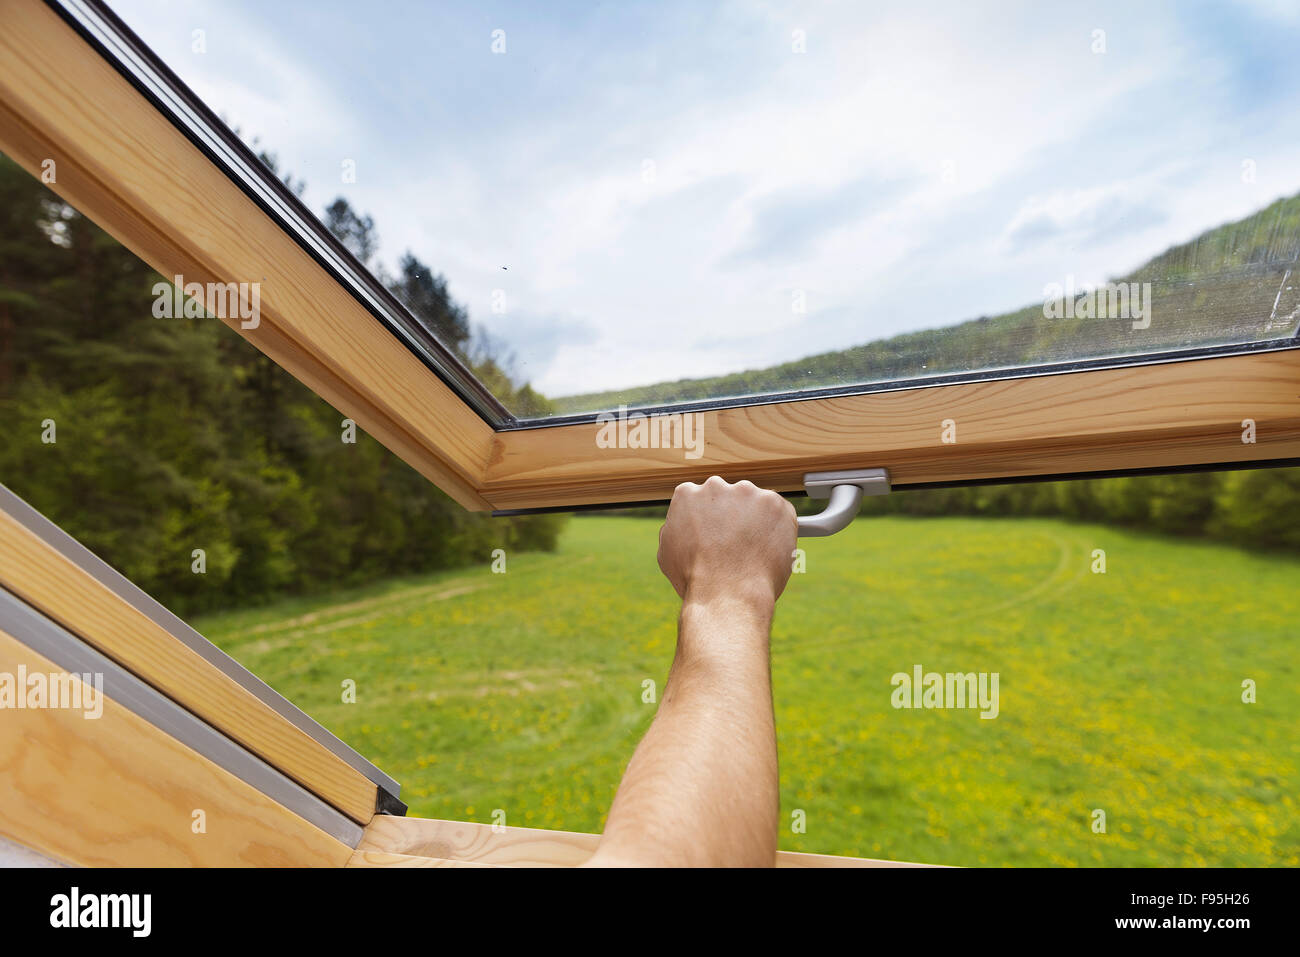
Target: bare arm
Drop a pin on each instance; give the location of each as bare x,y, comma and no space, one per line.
701,789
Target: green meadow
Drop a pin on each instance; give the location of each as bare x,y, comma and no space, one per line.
1119,692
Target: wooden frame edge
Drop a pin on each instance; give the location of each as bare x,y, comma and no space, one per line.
1156,416
428,842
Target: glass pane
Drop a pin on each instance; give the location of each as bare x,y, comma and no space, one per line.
641,205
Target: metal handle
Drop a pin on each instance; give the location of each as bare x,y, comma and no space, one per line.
845,491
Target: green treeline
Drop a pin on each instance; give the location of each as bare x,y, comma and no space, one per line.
1257,508
176,434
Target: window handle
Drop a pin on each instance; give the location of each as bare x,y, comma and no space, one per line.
844,491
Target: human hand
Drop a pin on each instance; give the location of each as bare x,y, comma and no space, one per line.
728,541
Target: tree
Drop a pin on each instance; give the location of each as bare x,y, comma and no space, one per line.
425,294
355,232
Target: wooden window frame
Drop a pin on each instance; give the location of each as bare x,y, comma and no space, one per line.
1151,417
124,164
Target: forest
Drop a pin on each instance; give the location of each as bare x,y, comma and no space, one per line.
175,435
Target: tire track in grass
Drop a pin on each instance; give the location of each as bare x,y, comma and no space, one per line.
1058,581
384,604
393,610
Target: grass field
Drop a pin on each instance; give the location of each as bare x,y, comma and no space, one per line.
1119,691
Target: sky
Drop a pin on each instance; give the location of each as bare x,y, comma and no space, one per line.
636,192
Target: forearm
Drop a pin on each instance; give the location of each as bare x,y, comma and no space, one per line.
701,788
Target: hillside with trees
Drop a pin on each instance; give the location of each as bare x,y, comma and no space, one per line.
1236,283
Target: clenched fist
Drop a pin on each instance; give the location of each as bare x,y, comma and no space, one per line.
723,540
